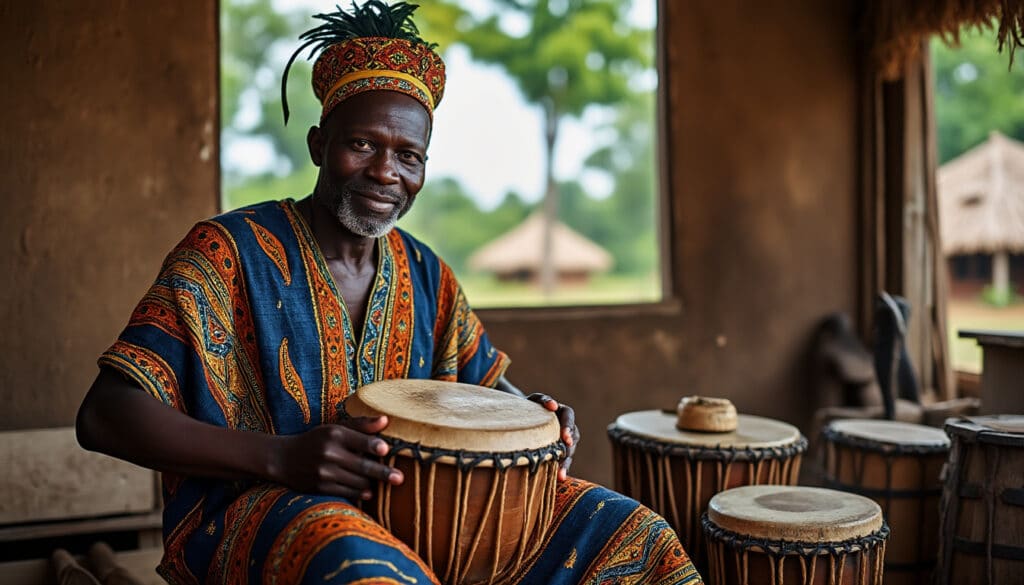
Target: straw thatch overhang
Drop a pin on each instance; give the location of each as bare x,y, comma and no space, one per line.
518,251
898,29
981,199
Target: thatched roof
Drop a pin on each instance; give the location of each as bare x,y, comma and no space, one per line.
981,198
519,249
898,29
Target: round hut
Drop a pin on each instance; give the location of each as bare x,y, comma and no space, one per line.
517,254
981,215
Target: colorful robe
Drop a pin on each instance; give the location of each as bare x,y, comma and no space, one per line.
244,328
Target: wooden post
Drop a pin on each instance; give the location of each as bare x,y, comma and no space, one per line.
1001,274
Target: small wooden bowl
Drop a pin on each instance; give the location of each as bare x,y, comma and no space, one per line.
707,415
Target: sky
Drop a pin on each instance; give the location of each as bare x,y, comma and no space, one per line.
485,135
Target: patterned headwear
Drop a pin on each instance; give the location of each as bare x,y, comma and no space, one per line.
373,47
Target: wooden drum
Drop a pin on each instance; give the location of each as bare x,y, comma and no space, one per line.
897,465
790,535
676,473
480,471
982,509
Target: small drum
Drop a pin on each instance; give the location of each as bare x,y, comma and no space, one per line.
676,472
480,471
982,509
790,535
897,465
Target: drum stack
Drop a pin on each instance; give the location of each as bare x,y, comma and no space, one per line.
902,503
674,462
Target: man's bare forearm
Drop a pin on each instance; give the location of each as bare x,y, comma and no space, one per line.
119,419
505,386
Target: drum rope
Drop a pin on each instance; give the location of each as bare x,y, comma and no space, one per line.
729,454
779,548
466,460
992,468
453,542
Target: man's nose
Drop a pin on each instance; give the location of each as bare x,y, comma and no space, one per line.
383,168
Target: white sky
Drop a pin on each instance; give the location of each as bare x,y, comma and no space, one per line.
485,135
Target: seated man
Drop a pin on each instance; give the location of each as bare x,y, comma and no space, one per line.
263,320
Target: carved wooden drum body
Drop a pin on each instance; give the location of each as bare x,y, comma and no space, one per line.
676,473
898,465
793,535
480,470
982,507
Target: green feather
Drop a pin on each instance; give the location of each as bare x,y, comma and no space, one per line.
373,19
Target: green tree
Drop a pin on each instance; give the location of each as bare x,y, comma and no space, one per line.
575,53
975,93
631,209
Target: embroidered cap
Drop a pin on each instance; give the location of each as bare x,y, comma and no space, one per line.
372,47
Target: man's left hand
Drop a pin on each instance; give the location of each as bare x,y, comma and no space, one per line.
570,432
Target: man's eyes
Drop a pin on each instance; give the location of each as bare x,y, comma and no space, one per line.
411,157
361,144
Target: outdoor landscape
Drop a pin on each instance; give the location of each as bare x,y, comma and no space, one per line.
580,77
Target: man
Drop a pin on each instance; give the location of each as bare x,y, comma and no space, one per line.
263,320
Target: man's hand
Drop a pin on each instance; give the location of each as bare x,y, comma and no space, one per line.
335,459
570,432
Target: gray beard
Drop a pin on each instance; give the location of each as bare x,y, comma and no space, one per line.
366,226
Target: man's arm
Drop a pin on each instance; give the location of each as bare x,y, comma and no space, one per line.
118,419
505,386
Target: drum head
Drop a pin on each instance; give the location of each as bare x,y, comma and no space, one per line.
449,415
795,513
999,429
891,432
751,431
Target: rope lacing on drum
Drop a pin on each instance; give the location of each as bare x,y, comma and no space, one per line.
466,460
728,454
876,446
780,548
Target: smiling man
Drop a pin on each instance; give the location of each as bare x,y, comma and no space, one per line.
263,320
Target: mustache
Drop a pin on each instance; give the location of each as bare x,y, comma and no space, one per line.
393,196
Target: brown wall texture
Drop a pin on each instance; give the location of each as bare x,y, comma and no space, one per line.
108,154
762,161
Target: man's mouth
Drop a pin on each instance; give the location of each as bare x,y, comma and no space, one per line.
376,202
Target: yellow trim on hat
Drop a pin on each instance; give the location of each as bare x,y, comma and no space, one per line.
356,75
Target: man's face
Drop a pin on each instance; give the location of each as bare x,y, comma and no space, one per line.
371,151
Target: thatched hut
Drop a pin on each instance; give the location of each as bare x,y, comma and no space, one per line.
981,206
517,254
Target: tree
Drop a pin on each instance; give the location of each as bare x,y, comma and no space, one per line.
574,53
975,93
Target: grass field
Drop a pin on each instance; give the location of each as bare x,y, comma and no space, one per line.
487,292
963,313
975,314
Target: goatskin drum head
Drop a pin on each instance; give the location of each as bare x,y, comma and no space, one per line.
451,415
891,432
755,432
795,513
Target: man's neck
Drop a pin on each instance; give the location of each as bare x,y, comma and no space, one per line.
337,243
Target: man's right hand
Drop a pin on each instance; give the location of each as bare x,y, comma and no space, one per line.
335,459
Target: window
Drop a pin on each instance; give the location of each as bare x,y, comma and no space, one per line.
580,72
979,110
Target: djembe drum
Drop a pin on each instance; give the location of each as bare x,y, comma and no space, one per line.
480,470
982,507
794,535
898,465
676,472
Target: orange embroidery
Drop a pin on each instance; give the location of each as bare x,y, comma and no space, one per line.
291,381
272,248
